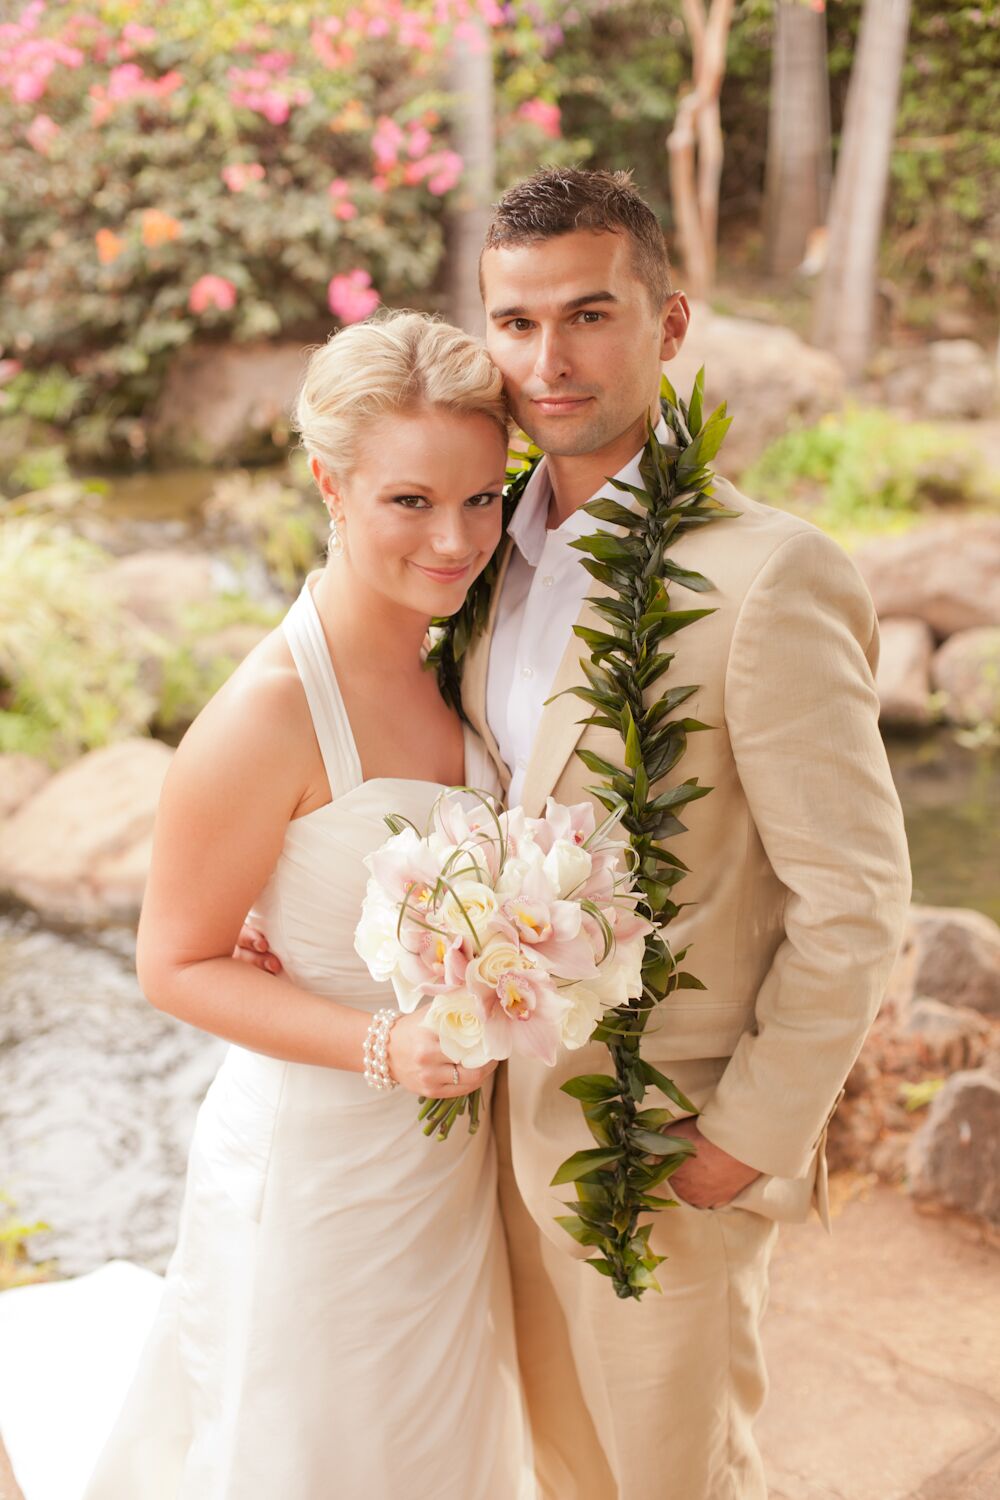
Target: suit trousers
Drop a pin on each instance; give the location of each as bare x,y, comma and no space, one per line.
647,1400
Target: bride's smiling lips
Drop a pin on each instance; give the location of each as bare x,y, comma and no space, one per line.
443,575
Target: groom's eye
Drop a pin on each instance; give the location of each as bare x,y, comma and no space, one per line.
518,325
595,317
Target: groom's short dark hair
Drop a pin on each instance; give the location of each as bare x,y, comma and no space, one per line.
559,200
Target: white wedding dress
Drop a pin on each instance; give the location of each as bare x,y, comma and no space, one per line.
335,1322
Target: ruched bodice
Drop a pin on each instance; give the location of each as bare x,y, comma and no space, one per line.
336,1317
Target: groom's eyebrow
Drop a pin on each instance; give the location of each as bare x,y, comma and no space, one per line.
572,306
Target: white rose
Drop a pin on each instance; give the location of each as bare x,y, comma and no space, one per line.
568,866
375,936
498,957
458,1022
619,978
585,1010
475,903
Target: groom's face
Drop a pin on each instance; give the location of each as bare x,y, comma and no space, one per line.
576,335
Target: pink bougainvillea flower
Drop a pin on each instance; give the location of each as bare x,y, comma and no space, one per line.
441,171
548,117
41,133
340,204
159,228
109,246
352,297
212,291
8,369
420,142
387,139
238,175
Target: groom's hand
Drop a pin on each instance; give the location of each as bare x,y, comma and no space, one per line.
252,948
711,1177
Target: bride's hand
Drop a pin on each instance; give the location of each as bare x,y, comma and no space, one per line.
418,1064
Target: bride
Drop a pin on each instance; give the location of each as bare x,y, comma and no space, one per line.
336,1315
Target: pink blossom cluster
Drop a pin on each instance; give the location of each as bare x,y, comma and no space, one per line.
340,199
28,60
351,297
521,932
239,175
548,117
406,155
212,292
127,83
265,90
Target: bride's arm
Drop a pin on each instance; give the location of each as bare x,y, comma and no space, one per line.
233,786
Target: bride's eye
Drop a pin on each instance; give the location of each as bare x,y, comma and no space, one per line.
410,502
480,502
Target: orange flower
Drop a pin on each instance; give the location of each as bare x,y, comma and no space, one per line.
158,228
109,246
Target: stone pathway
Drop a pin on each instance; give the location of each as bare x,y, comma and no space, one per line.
884,1354
883,1343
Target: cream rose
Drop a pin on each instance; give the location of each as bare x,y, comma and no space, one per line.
498,957
568,867
472,903
585,1010
458,1022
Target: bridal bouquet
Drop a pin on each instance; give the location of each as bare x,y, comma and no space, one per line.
520,932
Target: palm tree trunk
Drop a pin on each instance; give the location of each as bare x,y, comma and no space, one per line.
845,303
473,134
798,140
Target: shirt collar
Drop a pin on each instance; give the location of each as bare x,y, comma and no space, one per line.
528,529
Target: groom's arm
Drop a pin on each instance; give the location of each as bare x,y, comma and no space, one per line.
802,716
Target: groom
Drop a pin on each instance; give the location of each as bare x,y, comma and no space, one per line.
798,879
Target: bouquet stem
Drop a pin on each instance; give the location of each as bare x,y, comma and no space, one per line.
439,1115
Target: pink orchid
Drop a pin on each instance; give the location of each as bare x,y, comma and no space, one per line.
432,962
212,291
525,1017
405,869
576,822
351,298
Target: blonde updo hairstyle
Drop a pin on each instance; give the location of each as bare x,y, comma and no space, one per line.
394,362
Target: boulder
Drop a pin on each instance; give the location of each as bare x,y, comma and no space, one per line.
966,672
947,575
945,380
78,851
951,955
768,376
950,1036
227,403
20,778
955,1155
157,586
903,679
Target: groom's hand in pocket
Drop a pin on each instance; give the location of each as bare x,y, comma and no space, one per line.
711,1177
251,947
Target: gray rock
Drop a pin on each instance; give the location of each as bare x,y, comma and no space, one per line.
156,587
947,575
768,376
78,851
966,671
947,379
951,1035
955,1155
227,403
951,955
903,679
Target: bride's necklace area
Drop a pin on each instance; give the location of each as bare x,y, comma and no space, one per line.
615,1180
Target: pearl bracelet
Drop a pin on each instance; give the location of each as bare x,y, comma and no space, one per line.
376,1050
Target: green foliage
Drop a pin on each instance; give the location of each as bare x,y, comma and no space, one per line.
207,651
916,1096
864,469
276,521
69,678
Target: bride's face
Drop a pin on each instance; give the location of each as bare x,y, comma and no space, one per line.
420,512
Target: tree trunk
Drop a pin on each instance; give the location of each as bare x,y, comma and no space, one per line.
798,138
473,116
845,302
695,144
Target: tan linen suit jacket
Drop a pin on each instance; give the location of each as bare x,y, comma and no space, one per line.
799,878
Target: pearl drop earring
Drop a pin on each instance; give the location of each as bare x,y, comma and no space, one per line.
335,545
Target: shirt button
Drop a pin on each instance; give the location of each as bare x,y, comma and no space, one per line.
527,672
548,581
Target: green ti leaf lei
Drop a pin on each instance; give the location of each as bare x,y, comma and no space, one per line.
615,1180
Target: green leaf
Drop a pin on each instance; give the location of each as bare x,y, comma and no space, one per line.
609,510
697,582
591,1086
654,1144
697,398
582,1233
582,1162
633,747
666,1086
597,763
